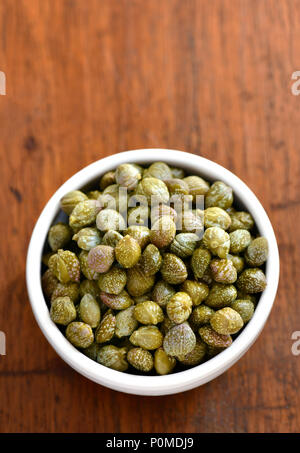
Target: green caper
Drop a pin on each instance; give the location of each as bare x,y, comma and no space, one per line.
239,240
163,363
125,322
201,315
151,260
87,238
213,338
252,281
148,312
173,269
162,293
184,244
140,233
223,271
154,190
140,359
138,283
147,337
65,266
241,220
106,329
198,291
163,232
200,261
196,356
80,334
179,340
59,235
84,214
89,310
128,251
113,357
217,241
216,217
113,281
257,252
226,321
109,219
244,307
221,295
62,311
116,301
179,307
71,199
219,195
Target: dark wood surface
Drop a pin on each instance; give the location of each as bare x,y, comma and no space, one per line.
86,79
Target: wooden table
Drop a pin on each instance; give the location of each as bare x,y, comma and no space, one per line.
86,79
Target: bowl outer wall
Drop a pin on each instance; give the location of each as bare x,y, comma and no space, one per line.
151,385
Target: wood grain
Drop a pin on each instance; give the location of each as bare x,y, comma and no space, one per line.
86,79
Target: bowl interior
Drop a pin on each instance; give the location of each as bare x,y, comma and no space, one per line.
182,380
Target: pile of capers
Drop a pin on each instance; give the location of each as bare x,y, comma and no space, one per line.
138,284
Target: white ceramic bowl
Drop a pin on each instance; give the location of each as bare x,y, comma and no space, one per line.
151,385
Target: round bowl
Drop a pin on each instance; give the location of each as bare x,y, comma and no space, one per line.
183,380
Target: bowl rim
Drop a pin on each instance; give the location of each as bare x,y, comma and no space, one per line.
151,385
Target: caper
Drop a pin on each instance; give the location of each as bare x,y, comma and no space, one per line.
213,338
217,241
163,363
184,244
106,329
116,301
257,252
226,321
148,312
179,307
128,251
179,340
239,240
65,266
89,310
200,261
140,359
59,235
198,291
151,260
216,217
109,219
162,293
196,356
241,220
125,322
221,295
113,281
223,271
163,232
244,307
80,334
113,357
62,311
147,337
138,283
220,195
252,281
71,199
101,258
173,269
84,214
